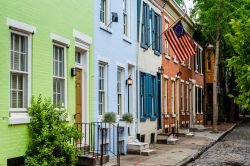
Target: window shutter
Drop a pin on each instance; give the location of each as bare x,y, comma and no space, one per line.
153,28
138,17
156,96
148,26
148,95
160,33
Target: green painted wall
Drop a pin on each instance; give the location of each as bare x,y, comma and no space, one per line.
59,17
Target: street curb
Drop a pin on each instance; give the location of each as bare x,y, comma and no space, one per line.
205,148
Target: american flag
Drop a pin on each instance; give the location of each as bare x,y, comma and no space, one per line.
180,42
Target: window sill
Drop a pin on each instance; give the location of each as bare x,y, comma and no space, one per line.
183,64
201,74
25,119
173,115
196,71
105,28
167,57
153,118
127,39
156,52
189,67
175,61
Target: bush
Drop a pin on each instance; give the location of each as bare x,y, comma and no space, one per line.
50,136
128,117
109,117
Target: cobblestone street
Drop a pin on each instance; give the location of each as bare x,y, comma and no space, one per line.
234,149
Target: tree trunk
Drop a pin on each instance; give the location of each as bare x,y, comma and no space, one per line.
215,84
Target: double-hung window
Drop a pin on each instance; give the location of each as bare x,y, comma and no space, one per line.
119,91
182,96
156,32
165,95
102,88
103,12
173,96
126,17
59,77
187,98
145,27
19,71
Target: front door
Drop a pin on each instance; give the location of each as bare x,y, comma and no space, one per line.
78,86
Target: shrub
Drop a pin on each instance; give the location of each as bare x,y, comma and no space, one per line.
109,117
128,117
50,136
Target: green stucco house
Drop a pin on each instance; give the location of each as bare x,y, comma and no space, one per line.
45,48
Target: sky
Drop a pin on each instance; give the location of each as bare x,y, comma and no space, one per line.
189,4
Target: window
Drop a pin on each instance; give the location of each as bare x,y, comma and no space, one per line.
165,95
187,98
78,57
103,12
209,63
153,95
126,17
189,62
166,49
119,91
172,96
58,76
156,32
182,96
19,71
102,88
142,94
145,27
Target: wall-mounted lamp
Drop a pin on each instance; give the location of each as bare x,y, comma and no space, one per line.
160,70
114,18
129,81
73,72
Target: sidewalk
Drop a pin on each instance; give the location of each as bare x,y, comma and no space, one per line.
186,149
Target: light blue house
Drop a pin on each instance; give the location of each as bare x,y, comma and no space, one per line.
115,40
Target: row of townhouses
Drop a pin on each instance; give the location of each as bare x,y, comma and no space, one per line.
97,56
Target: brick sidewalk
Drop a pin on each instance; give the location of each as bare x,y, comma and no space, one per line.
185,149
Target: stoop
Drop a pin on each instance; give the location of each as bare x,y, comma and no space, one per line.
148,152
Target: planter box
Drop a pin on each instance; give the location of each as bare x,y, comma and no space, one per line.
124,124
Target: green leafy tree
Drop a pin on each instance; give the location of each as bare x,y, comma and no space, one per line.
50,136
239,63
213,18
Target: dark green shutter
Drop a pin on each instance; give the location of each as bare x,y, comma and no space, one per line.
153,28
148,26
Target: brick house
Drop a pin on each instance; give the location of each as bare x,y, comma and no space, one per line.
182,82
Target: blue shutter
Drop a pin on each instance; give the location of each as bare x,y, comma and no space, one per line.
160,34
138,17
148,26
153,28
148,95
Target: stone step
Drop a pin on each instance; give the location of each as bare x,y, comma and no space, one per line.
148,152
189,135
172,141
137,147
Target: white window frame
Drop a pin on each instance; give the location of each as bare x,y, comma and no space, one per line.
175,59
189,63
126,12
107,16
173,96
166,50
65,73
104,90
29,56
182,95
121,93
201,59
165,95
196,58
187,96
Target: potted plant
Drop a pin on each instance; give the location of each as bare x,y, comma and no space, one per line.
108,117
126,119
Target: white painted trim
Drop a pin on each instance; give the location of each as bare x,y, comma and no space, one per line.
127,39
103,59
19,120
120,65
131,63
182,81
187,82
105,28
83,37
20,25
173,79
165,76
60,39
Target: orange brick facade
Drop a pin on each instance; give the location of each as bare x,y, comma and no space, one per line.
182,79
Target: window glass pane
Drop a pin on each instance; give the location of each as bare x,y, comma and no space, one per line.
13,99
20,99
16,43
20,82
